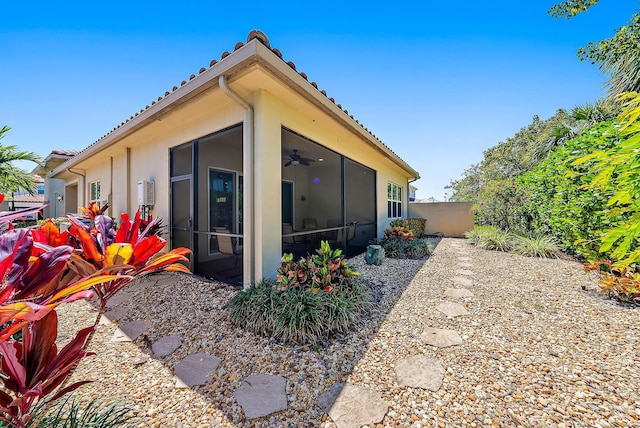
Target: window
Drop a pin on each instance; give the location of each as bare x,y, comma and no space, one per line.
394,200
94,191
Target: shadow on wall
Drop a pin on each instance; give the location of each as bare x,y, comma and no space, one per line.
449,219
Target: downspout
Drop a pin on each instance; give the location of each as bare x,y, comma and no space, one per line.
248,220
128,181
84,185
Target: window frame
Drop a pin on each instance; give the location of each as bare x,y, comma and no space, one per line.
94,190
394,201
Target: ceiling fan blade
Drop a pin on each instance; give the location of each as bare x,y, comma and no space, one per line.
307,160
288,163
304,162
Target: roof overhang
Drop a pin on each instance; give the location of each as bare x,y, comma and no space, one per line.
232,65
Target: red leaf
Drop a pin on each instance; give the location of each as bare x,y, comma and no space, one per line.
145,249
86,240
12,367
123,230
41,348
41,272
15,249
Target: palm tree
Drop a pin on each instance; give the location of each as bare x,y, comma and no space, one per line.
13,179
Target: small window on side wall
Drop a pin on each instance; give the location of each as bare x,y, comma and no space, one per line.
394,201
94,192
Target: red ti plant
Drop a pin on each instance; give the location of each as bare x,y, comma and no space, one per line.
41,269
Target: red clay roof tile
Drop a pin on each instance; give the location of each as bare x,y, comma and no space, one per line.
262,38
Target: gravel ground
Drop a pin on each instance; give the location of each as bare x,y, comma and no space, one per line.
538,351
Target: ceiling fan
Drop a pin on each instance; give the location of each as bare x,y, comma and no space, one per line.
295,159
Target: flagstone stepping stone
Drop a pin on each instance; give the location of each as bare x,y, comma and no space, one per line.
139,285
357,406
196,369
464,272
130,331
115,314
452,309
465,282
165,346
327,398
418,371
118,298
458,293
440,337
261,395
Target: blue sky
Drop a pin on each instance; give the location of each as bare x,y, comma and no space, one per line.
438,83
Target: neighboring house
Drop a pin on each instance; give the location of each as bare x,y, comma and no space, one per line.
412,193
242,161
54,188
23,199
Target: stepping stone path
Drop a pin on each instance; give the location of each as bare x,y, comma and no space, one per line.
196,369
419,371
356,406
440,337
347,405
262,395
458,293
130,331
115,314
465,282
452,309
165,346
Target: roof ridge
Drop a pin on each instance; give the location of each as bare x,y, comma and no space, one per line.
262,38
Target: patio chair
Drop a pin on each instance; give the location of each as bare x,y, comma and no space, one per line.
227,245
309,223
290,244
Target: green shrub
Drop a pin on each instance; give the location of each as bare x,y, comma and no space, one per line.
417,226
490,238
535,246
476,234
312,299
72,413
402,249
398,232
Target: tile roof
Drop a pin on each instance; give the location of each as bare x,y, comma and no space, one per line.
69,153
262,38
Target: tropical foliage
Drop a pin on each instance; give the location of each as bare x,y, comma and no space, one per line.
14,179
617,56
312,299
43,268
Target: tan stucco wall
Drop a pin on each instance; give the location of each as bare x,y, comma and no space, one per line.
293,112
144,154
449,218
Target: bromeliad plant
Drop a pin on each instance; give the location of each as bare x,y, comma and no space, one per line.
41,269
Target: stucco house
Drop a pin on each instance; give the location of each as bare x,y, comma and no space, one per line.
245,160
